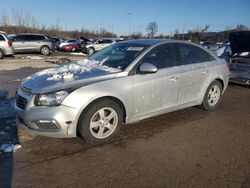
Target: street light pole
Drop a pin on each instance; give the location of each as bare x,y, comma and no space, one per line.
129,14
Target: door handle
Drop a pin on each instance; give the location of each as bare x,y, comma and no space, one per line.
174,78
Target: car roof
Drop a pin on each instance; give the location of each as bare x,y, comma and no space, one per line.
151,42
29,34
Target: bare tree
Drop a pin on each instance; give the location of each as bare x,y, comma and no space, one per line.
152,29
241,27
22,19
205,29
18,18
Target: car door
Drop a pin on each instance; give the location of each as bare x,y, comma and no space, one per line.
194,72
160,90
19,43
99,44
31,42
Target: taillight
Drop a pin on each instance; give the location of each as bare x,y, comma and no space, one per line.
228,66
10,43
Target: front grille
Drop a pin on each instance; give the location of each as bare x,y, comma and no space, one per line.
21,102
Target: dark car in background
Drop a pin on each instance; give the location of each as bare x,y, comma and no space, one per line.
240,59
39,43
211,45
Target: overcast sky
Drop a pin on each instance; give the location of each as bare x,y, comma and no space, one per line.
113,14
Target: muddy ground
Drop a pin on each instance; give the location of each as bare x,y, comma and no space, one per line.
187,148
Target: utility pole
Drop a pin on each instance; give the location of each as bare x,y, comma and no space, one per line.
183,29
129,29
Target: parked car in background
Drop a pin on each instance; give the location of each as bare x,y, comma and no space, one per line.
71,48
6,47
224,52
39,43
99,44
240,59
67,42
123,83
80,46
56,41
211,45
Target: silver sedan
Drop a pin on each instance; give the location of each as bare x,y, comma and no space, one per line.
123,83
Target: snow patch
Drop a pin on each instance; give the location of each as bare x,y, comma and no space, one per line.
55,77
77,54
9,147
35,57
244,54
67,72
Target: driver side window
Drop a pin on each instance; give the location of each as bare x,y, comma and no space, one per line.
162,56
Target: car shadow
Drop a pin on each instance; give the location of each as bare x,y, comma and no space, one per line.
8,141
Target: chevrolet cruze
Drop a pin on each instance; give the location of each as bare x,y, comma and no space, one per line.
123,83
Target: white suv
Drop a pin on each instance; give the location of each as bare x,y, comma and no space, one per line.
6,47
98,44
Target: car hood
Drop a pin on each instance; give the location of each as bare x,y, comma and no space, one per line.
69,76
240,41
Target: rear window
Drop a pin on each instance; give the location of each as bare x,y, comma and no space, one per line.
2,38
189,54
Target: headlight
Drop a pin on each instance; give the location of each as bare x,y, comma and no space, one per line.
50,99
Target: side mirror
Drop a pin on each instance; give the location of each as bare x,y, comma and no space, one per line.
147,68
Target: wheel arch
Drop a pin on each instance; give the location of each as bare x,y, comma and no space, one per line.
3,51
116,99
221,82
44,46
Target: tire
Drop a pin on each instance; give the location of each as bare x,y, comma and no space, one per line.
94,125
213,96
45,50
91,51
1,54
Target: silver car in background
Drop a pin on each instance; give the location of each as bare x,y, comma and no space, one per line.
123,83
6,47
26,42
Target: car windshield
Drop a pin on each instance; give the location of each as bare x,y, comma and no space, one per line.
220,51
119,55
93,40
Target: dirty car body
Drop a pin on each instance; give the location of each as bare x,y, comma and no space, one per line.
145,77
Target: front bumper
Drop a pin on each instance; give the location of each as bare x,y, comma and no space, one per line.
58,121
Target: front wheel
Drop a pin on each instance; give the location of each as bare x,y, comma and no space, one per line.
91,51
213,96
45,50
100,122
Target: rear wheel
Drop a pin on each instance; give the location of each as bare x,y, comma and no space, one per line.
1,54
101,121
213,96
45,50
